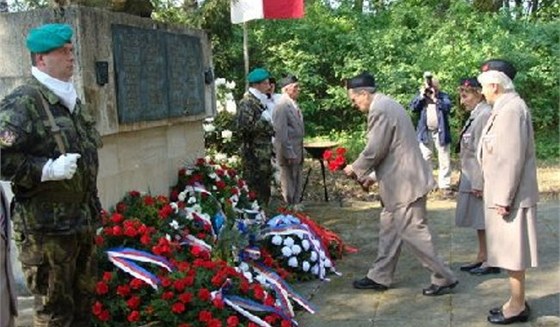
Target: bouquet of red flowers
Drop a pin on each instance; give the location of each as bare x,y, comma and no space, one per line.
336,160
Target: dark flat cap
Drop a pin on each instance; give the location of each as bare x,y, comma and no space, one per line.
470,82
287,80
364,79
501,65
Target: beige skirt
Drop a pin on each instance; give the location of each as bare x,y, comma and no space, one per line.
512,240
469,211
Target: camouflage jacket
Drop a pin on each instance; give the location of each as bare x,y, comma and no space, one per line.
27,143
252,127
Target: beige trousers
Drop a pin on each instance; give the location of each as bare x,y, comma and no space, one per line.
291,182
407,225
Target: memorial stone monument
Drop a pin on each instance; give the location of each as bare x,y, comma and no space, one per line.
148,84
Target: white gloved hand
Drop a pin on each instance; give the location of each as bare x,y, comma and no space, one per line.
64,167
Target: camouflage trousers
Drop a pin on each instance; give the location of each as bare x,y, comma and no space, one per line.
257,171
60,272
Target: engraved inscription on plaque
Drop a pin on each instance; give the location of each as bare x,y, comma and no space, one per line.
158,74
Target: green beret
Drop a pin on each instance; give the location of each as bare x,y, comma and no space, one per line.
257,75
48,37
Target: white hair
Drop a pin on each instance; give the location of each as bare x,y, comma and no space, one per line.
496,77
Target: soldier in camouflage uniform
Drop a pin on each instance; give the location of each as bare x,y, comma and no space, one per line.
254,125
53,175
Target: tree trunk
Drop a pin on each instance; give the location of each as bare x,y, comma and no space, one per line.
359,5
487,5
3,6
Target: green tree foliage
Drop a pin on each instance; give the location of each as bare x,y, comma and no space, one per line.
398,44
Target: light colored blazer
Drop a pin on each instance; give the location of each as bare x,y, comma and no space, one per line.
507,155
10,294
471,172
392,151
288,131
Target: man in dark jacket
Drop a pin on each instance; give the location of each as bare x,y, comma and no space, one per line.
49,153
433,130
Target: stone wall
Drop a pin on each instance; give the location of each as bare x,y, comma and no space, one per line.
143,156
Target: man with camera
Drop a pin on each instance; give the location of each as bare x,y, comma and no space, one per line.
433,130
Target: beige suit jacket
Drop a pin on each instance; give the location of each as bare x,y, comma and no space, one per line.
392,151
507,155
8,295
471,172
288,131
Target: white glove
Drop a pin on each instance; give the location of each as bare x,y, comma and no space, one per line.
64,167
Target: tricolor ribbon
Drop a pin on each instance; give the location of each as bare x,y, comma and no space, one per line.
123,258
274,279
195,241
243,306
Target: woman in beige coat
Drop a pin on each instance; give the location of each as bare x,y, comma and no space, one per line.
8,298
507,156
470,207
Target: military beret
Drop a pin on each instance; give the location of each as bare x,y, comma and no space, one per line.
365,79
287,80
48,37
470,82
258,75
501,65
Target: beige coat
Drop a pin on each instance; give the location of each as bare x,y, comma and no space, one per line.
288,142
392,151
288,131
507,156
8,296
470,209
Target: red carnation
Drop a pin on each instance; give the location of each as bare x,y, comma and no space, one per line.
145,239
204,315
133,316
104,315
134,194
232,321
123,290
133,302
117,231
130,231
204,294
148,200
99,240
121,207
101,288
97,308
218,303
136,283
167,295
185,297
327,155
107,276
178,308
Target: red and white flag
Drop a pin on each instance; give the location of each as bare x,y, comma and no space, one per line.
245,10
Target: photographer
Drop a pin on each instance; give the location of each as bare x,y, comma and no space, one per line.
433,130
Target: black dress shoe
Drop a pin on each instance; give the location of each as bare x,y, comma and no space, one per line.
496,310
435,290
499,318
470,266
368,284
485,271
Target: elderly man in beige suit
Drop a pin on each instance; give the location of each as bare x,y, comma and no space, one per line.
8,299
507,156
404,180
288,141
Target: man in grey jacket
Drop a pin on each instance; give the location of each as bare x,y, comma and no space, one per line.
288,142
404,180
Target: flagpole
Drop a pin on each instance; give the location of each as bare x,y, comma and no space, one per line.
246,52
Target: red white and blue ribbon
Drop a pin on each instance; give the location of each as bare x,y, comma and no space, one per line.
195,241
244,306
124,259
274,279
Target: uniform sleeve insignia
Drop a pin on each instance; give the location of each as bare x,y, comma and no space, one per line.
7,138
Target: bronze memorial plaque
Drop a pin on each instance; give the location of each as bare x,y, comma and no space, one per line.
158,74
